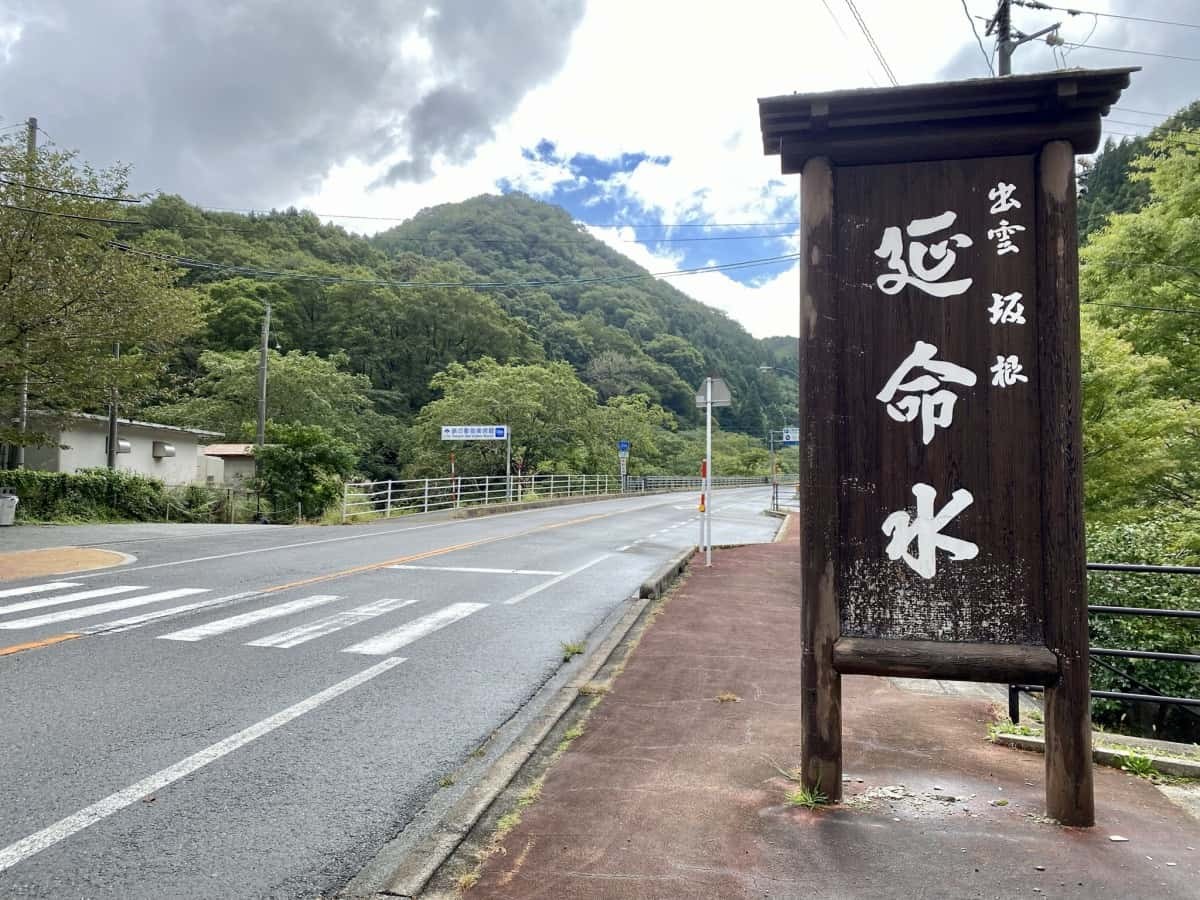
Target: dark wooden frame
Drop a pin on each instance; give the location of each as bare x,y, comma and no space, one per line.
1052,116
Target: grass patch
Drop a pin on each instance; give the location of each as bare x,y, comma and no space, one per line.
1141,766
568,736
467,880
809,799
445,781
572,649
728,697
592,689
1004,726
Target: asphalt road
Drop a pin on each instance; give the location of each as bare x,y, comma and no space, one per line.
254,712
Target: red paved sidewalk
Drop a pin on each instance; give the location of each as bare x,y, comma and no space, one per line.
669,793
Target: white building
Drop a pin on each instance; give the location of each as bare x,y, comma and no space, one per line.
165,452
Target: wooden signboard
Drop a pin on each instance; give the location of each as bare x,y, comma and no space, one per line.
941,508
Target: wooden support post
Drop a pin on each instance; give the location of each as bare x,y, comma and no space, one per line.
820,684
1069,796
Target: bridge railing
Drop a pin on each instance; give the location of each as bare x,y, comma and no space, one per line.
364,500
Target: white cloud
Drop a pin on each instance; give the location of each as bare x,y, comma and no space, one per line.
680,79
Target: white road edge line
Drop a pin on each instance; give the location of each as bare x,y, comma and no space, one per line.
391,641
223,626
623,549
537,589
650,503
481,571
38,588
102,809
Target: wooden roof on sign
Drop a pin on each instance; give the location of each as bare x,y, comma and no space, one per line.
956,119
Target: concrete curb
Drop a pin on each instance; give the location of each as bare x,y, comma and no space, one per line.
656,585
410,877
1166,765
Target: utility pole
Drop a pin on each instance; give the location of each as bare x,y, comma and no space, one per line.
260,437
23,398
1009,39
112,415
1004,45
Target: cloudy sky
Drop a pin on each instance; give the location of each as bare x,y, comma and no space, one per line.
638,117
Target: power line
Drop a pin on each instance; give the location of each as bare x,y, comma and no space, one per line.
862,25
49,190
846,38
1166,309
975,31
1144,112
63,215
1134,52
1035,4
188,263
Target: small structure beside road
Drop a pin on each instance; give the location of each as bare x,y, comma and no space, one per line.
166,452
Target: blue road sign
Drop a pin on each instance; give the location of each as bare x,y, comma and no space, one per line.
623,446
501,432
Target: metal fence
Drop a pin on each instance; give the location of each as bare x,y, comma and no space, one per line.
1145,693
385,499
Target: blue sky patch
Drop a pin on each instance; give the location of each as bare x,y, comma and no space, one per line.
592,189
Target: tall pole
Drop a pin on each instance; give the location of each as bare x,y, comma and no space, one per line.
260,437
112,415
1004,36
23,397
708,470
771,438
508,463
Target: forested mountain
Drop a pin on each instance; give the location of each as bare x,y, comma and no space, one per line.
1104,184
623,336
506,278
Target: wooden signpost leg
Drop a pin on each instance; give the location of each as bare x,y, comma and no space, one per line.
820,684
1069,797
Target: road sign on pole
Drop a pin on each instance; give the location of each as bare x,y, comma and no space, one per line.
474,432
720,394
789,437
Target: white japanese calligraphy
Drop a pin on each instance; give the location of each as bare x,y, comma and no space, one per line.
915,271
925,528
1007,371
1003,233
1007,309
924,394
1002,194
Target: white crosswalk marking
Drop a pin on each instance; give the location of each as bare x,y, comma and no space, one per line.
83,612
328,625
537,589
25,605
221,626
38,588
141,619
393,640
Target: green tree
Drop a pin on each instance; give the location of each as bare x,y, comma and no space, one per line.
1140,276
302,389
68,295
1130,432
301,468
548,409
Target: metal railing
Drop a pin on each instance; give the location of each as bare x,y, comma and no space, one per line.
385,499
1097,654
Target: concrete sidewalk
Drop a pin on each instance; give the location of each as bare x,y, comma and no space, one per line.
673,793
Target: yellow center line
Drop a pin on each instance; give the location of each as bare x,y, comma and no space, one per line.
317,579
41,642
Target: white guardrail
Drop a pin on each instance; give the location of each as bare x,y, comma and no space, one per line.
384,499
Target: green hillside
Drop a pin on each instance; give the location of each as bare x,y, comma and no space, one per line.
381,317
